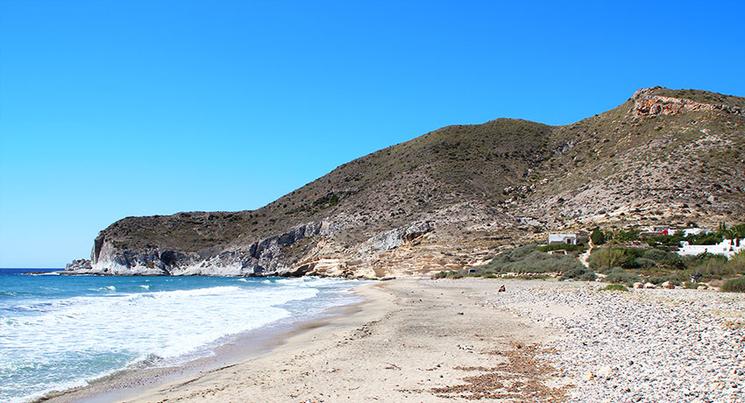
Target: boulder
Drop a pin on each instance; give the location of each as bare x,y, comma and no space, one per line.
638,285
668,285
649,285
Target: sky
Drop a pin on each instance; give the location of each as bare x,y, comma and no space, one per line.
119,108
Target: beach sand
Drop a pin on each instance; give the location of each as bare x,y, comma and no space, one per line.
416,340
412,340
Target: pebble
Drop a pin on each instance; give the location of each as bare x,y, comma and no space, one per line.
663,344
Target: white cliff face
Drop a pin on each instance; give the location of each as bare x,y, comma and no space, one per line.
262,258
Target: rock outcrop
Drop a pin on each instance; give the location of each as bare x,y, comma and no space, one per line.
461,193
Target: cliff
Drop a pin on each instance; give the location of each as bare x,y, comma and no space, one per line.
460,193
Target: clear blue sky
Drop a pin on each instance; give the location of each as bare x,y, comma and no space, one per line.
117,108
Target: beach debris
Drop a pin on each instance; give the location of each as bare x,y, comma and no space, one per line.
392,366
502,288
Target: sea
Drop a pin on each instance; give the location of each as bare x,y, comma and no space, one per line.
58,331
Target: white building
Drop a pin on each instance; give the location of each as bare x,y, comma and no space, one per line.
727,247
570,239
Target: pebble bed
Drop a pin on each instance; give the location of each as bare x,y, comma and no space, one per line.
644,345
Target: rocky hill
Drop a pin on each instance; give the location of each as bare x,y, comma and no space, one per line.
458,194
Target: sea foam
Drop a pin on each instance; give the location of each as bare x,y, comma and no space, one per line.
59,342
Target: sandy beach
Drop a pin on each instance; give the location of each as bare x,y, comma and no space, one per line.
424,340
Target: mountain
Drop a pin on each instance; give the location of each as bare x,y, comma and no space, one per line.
460,193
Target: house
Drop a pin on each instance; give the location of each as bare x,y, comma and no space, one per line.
727,247
569,239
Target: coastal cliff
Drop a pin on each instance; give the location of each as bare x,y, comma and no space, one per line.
459,194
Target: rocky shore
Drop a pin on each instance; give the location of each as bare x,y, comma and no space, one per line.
643,345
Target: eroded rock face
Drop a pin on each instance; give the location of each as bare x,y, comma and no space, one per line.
647,103
263,257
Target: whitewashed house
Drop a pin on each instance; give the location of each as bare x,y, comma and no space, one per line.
569,239
727,247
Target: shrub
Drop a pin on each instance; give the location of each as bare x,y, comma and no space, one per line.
615,287
711,238
626,236
619,275
526,259
644,263
578,273
561,246
734,285
655,254
597,236
736,263
606,258
665,240
708,265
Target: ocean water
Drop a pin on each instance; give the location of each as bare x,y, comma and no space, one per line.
59,331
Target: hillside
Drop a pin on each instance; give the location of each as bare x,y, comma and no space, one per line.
459,193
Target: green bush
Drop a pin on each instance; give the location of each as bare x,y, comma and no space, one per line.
597,236
561,246
626,236
526,259
578,273
607,258
619,275
736,263
665,240
734,285
644,263
615,287
711,238
708,265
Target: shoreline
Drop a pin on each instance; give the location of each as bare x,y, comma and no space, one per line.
423,340
128,383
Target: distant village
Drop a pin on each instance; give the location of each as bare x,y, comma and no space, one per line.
691,241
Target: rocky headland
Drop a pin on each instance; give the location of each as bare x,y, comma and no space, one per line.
462,193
